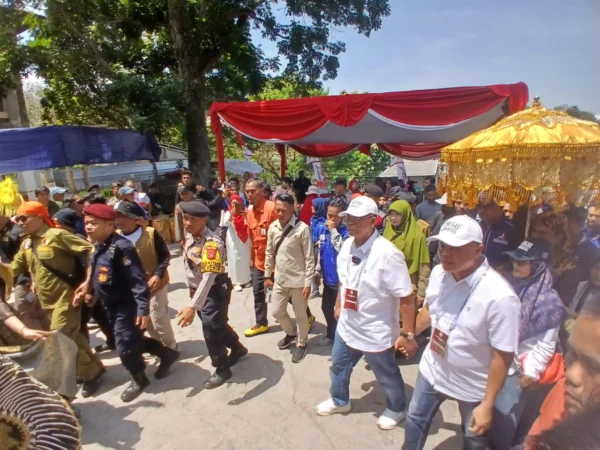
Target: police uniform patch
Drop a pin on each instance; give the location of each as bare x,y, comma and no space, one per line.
211,258
27,244
126,261
103,274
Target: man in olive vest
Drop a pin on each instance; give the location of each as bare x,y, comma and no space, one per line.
52,256
155,257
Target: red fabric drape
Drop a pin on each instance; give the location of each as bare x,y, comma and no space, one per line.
413,151
324,150
293,119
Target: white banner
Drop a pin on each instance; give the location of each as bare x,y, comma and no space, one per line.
247,153
320,180
398,162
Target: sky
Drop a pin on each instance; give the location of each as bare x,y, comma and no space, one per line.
552,45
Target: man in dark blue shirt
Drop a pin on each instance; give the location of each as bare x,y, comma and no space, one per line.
498,233
119,283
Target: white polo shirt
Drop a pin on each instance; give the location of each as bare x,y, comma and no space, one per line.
490,318
381,279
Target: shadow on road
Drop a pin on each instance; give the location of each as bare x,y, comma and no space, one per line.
256,366
177,286
97,417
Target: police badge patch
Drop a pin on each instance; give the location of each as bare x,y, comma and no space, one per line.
102,274
211,258
126,261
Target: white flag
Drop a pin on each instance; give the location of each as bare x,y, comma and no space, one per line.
320,180
398,162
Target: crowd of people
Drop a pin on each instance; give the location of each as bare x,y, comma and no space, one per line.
504,323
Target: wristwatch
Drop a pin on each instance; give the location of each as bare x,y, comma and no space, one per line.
409,336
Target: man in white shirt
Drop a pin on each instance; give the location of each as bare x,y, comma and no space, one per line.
290,257
374,286
474,316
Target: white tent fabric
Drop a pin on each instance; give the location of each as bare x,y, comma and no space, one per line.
239,167
375,128
413,169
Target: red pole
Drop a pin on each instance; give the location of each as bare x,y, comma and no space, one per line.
281,149
218,130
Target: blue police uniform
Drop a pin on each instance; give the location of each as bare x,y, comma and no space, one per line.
120,286
498,238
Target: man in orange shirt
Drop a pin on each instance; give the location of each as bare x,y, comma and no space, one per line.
259,217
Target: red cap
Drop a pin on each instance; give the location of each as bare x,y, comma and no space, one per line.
100,211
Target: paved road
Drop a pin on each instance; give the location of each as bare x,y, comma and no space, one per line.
268,404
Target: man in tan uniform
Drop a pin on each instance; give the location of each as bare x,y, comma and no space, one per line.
51,256
210,291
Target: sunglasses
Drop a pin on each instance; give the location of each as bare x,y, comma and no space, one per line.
22,218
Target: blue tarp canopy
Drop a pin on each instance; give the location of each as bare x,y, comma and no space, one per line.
61,146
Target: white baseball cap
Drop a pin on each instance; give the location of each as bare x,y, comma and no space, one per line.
443,200
312,190
459,231
360,207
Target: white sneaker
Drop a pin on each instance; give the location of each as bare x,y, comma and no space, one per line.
237,288
390,420
328,407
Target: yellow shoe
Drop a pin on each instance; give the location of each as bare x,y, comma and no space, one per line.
256,330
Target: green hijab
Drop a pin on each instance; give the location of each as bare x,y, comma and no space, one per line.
407,237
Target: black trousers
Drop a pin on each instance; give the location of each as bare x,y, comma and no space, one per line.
98,313
130,340
260,305
218,334
328,306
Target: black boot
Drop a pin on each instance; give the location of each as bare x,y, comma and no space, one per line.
167,357
90,387
139,382
235,355
218,378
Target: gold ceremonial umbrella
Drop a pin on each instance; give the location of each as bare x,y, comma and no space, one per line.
537,151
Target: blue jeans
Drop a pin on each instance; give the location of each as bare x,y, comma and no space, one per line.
387,373
424,405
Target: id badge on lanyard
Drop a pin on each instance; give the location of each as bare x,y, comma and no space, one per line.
353,283
445,323
440,335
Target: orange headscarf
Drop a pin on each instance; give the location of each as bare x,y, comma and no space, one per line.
35,209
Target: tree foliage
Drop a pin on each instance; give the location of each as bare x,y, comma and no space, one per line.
576,112
157,64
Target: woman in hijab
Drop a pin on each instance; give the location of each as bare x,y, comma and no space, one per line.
306,211
403,231
537,364
317,222
237,243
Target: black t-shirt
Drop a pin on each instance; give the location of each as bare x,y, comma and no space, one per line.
10,242
301,185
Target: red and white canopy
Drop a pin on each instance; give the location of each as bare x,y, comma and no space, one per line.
414,124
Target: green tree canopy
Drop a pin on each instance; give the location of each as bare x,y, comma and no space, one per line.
576,112
157,64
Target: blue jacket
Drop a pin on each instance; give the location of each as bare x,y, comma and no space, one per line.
330,243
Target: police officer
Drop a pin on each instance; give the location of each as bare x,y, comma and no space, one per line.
119,284
53,257
210,291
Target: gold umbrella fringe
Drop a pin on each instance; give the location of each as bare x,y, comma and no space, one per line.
506,152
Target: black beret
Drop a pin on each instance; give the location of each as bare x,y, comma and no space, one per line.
66,217
130,209
374,190
195,208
